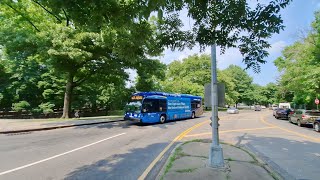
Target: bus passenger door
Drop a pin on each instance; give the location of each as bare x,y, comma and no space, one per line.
153,117
150,108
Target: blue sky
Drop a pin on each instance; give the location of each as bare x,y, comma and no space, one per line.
297,17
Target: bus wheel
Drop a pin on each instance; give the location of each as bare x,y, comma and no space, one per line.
162,119
193,115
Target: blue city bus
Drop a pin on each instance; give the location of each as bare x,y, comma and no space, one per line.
153,107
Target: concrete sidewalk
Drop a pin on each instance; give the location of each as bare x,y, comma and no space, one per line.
27,125
189,161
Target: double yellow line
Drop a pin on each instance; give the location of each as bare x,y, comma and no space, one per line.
178,138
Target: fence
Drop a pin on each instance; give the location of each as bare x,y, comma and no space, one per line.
56,114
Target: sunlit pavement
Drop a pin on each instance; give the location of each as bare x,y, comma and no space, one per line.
119,150
293,151
124,150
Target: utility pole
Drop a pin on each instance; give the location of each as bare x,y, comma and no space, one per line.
216,159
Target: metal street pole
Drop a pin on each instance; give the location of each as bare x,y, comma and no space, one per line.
216,155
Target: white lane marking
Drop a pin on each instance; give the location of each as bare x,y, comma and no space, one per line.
56,156
285,149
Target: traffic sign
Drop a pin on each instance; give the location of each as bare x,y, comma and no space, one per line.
316,101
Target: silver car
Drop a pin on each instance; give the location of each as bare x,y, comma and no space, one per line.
233,111
302,117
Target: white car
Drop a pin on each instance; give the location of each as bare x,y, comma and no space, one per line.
233,111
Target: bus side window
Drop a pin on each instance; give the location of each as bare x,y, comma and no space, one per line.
162,105
195,104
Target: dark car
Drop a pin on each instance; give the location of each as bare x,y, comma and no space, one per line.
282,113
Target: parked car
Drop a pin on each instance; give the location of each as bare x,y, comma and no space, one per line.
274,106
282,113
233,111
257,108
302,117
263,107
316,125
284,105
274,111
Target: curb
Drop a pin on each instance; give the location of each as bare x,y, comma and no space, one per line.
273,169
164,165
270,165
57,127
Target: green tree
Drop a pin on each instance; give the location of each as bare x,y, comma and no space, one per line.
191,74
149,76
242,82
228,23
78,39
299,67
77,48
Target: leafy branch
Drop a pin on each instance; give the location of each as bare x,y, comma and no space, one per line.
59,20
27,19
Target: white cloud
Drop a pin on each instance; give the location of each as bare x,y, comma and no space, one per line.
276,48
170,56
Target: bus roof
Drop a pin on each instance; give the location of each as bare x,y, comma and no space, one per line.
144,94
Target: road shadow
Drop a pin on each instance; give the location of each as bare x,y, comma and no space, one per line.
292,159
127,166
130,124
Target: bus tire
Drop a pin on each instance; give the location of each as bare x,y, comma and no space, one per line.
162,119
193,115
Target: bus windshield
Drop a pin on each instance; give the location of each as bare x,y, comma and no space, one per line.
134,106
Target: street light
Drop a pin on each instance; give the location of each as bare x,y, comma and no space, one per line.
216,159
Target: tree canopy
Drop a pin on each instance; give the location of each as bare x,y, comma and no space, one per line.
299,68
73,52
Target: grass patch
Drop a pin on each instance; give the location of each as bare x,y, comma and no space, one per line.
249,153
186,170
76,119
274,176
171,160
194,140
230,159
115,113
219,109
255,161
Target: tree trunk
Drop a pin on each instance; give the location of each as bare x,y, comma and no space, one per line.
67,97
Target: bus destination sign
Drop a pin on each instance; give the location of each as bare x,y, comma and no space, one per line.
136,98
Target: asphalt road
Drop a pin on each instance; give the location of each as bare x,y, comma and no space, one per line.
123,150
291,150
120,150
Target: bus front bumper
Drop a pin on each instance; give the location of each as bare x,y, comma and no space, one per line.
132,119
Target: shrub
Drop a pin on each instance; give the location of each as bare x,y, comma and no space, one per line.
20,106
46,107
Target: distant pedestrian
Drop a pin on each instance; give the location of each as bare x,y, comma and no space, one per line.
76,114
